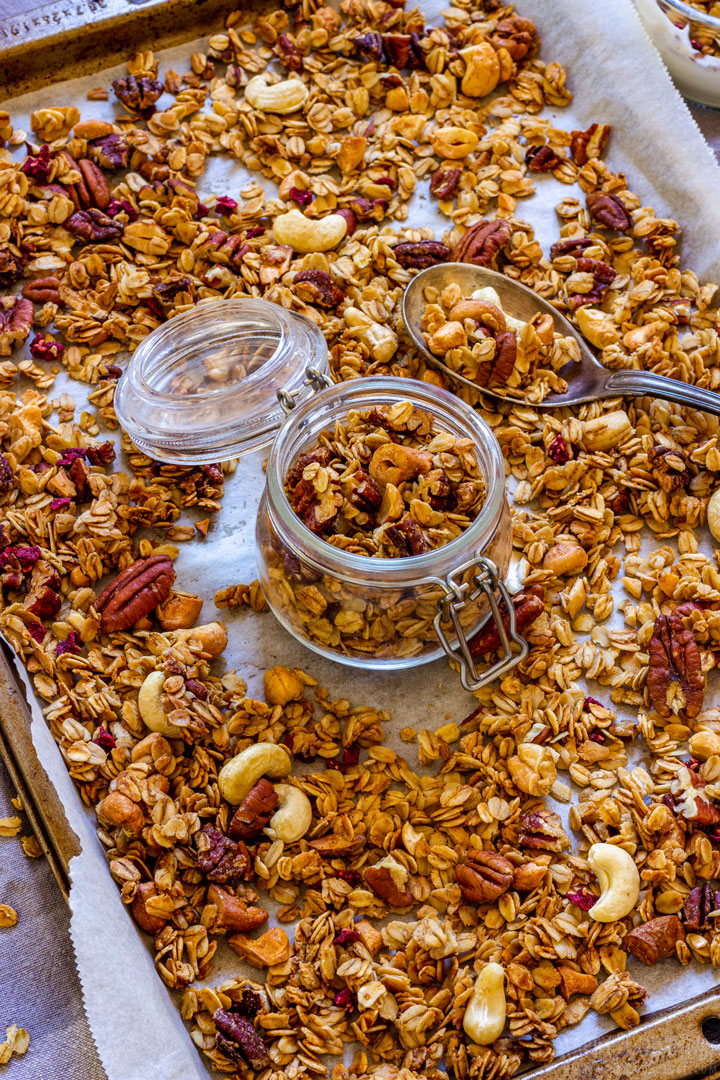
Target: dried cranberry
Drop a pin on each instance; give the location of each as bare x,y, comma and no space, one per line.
26,557
346,999
71,645
582,899
256,230
38,167
346,937
60,504
591,701
121,206
349,757
156,308
36,631
249,1004
46,349
387,181
352,877
559,451
302,198
225,205
103,738
596,736
201,212
69,456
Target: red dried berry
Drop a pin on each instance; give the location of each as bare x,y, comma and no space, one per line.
225,205
346,937
559,451
103,738
582,899
121,206
45,348
38,167
37,631
302,198
352,877
71,644
349,757
346,999
69,456
60,504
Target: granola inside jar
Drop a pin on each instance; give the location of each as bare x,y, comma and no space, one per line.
379,612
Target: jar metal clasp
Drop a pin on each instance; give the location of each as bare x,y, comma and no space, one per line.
460,593
314,378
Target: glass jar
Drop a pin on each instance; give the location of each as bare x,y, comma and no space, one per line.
233,375
680,32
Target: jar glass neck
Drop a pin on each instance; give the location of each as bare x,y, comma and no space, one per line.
320,414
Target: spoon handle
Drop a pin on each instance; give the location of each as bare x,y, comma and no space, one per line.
639,383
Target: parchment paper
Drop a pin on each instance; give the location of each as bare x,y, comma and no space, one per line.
617,78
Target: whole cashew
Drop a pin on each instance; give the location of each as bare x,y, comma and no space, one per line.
239,775
282,97
381,341
151,706
619,880
393,464
293,817
306,236
212,637
484,1018
479,311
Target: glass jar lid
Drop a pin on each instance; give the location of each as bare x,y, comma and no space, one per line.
216,381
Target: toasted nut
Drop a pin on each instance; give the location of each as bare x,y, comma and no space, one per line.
565,558
451,335
388,879
119,810
211,637
392,506
641,335
273,947
703,744
239,775
293,817
394,464
597,327
305,235
533,769
150,704
619,880
282,685
606,431
480,311
528,876
380,341
453,142
151,924
283,97
484,1017
179,612
233,913
482,70
713,514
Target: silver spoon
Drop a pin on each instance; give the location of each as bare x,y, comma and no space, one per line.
587,381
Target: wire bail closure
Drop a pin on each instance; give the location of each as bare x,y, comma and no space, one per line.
458,594
314,378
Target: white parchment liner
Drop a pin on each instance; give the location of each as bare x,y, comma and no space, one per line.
616,77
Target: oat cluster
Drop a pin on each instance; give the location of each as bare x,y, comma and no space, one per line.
105,233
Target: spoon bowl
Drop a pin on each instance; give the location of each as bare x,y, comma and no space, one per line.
587,381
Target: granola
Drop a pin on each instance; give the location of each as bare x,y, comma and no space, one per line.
105,234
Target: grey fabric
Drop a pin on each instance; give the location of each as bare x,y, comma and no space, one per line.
39,988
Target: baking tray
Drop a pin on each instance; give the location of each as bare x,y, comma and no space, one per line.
61,40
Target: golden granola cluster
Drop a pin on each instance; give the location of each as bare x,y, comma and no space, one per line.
105,233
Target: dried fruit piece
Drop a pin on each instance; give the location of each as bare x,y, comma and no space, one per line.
675,679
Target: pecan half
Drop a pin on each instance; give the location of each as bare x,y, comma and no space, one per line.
589,144
656,939
669,467
135,592
239,1041
16,319
444,182
322,456
254,812
484,876
220,859
96,186
138,95
421,254
528,604
397,48
111,152
609,211
699,903
675,679
317,287
370,46
364,494
43,290
542,158
516,34
603,276
287,53
482,243
497,371
407,538
93,226
385,883
571,247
